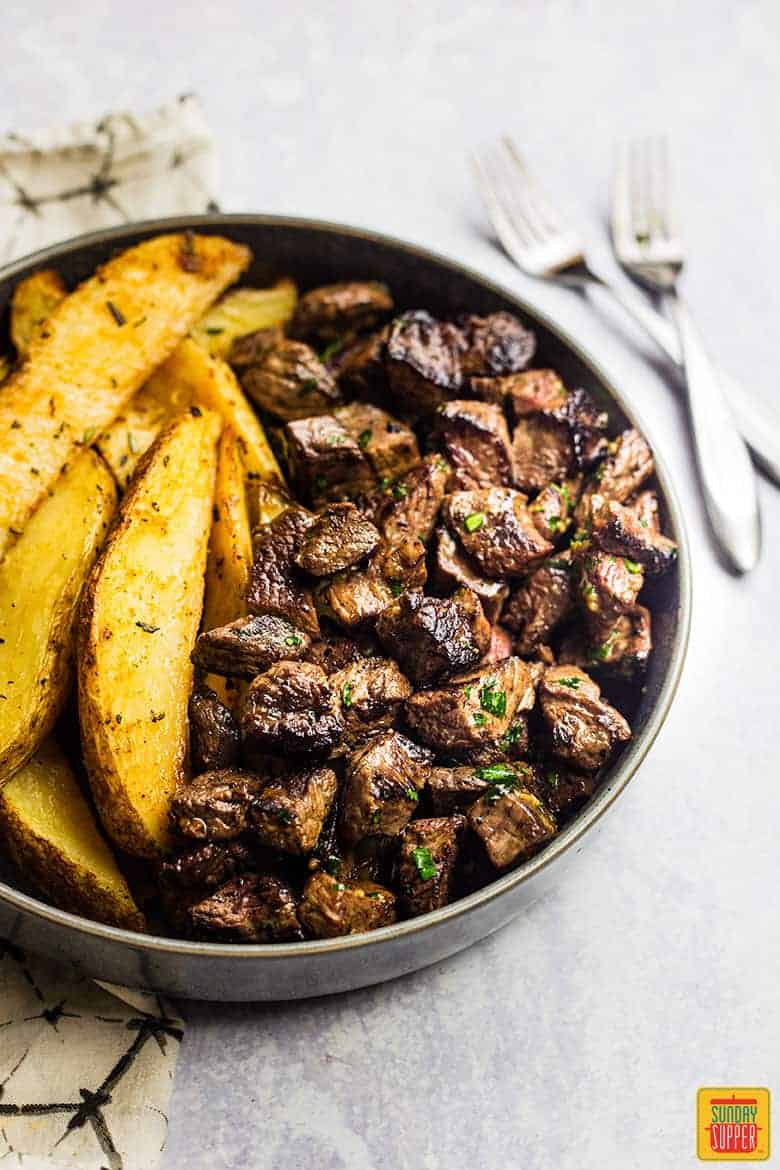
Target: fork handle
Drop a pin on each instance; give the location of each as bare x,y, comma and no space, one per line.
728,480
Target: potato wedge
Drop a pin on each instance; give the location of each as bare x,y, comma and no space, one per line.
230,550
138,623
99,346
50,833
125,442
34,300
243,310
41,580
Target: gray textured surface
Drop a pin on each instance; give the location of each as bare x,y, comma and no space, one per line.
577,1037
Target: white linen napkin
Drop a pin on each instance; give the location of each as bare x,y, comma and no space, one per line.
86,1069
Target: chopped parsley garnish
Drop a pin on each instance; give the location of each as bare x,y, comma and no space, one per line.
553,779
400,491
602,652
89,435
413,794
364,438
306,385
336,440
283,816
512,736
572,682
147,628
632,566
346,695
564,493
320,482
423,859
332,864
293,640
331,350
116,313
474,521
496,772
492,699
396,588
554,523
213,330
479,719
376,814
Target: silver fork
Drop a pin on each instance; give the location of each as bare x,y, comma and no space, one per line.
544,245
648,244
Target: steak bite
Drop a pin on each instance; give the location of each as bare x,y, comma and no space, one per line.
607,586
291,709
207,866
252,908
542,450
495,345
216,805
453,789
553,508
370,693
587,424
475,440
497,530
334,311
564,791
276,585
423,361
383,785
426,865
410,506
291,382
389,445
540,604
334,652
628,464
339,537
530,392
362,371
249,645
323,460
584,728
473,711
511,821
250,349
625,646
501,645
646,509
453,567
215,740
357,597
331,907
289,813
432,637
619,530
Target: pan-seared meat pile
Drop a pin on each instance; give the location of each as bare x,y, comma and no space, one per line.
465,561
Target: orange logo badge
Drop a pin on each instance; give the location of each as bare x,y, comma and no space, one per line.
732,1124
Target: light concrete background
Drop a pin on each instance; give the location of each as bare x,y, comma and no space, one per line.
577,1037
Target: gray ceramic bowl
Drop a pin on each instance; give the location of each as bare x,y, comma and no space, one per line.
316,253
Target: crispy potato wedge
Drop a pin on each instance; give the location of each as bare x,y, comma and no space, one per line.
230,551
139,619
41,580
34,300
99,346
50,833
244,310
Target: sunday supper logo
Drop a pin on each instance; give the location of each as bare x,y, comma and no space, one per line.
732,1124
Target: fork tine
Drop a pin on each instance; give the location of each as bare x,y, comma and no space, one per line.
622,210
513,239
535,199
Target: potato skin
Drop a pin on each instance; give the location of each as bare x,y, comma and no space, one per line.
137,627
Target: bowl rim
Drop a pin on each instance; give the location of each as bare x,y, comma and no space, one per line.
629,761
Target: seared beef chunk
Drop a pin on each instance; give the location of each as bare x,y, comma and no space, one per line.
608,586
207,866
291,382
475,440
252,908
215,806
410,506
501,645
339,537
334,652
334,311
495,345
511,822
587,424
432,637
357,597
542,451
553,508
619,530
276,585
289,813
324,461
331,907
389,445
426,866
645,508
474,710
526,393
625,645
251,348
249,645
564,791
291,709
454,789
423,361
626,467
453,567
497,530
540,604
584,727
383,785
215,740
362,370
370,693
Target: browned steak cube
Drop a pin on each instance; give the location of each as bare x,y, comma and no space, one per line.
423,361
289,813
251,348
619,530
474,710
453,789
553,508
215,739
331,907
431,636
291,709
564,791
626,467
453,568
249,645
207,866
389,446
645,508
216,805
625,646
511,822
475,439
587,424
530,392
362,372
324,461
334,311
276,585
410,506
426,865
584,728
495,345
370,693
383,785
501,645
340,537
251,908
357,597
540,604
542,450
497,530
291,382
607,586
334,652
